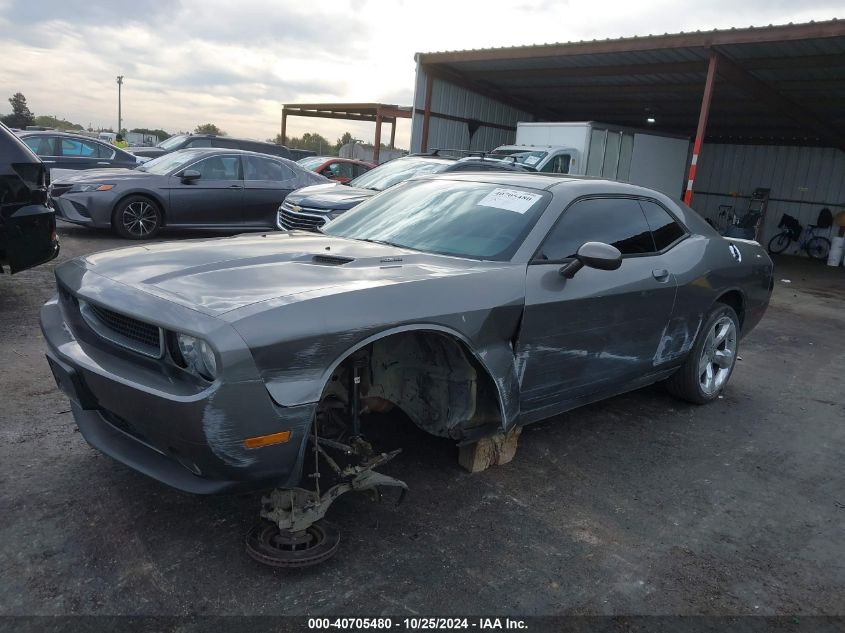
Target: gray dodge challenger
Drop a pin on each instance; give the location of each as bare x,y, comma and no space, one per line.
472,304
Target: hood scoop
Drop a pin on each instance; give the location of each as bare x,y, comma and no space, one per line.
331,260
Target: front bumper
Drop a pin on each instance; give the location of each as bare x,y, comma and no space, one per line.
82,209
186,437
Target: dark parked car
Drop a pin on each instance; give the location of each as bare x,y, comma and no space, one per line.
474,303
60,150
200,188
340,170
194,141
27,224
311,207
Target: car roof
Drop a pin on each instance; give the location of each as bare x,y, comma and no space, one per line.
534,180
84,137
226,150
230,138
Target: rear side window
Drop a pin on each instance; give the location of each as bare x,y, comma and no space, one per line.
616,221
42,145
664,229
83,149
256,168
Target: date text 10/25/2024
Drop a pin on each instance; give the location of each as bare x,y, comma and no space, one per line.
417,624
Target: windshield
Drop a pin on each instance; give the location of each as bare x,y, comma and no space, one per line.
168,163
311,162
385,176
464,219
173,141
530,159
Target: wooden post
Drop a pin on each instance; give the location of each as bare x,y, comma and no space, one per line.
377,144
393,134
702,123
429,82
284,124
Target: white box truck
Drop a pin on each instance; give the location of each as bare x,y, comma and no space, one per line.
588,148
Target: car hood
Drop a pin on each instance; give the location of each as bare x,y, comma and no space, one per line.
217,276
101,175
329,197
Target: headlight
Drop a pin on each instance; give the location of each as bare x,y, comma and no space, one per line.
84,188
195,355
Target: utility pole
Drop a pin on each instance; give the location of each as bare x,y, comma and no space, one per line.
119,114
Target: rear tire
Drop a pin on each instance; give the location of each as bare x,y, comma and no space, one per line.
137,218
779,243
711,360
818,247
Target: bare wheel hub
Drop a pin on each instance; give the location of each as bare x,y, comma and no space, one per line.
269,545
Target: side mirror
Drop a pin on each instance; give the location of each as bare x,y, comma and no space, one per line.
190,175
596,255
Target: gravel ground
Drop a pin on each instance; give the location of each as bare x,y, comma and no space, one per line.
636,505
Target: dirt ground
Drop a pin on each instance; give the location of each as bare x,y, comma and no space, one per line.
637,505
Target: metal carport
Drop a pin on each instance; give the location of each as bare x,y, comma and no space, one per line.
777,85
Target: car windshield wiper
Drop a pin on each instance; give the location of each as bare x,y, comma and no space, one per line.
383,242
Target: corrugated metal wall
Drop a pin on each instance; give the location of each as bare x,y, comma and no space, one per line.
454,100
803,180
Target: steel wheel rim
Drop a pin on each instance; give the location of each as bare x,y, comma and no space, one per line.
139,218
717,356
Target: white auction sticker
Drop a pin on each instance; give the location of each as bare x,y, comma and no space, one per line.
532,160
510,199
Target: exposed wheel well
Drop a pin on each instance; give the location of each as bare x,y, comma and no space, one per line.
734,299
430,375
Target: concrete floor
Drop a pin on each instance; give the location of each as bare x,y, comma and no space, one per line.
637,505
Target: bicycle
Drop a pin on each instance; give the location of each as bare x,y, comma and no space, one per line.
814,245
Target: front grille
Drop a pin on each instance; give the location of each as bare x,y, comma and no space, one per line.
291,220
124,330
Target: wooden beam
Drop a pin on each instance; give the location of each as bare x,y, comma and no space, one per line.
284,124
377,143
429,85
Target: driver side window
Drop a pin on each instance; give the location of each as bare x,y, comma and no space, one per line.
557,165
616,221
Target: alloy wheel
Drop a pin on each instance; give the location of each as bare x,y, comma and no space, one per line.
139,218
717,356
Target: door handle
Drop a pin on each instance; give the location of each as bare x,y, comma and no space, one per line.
660,274
235,187
104,162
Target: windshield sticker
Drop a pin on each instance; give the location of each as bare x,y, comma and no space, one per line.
532,160
510,200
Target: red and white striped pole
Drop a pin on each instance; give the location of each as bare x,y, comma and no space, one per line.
702,123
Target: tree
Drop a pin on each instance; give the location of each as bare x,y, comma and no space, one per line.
161,134
209,128
343,140
310,141
21,115
45,120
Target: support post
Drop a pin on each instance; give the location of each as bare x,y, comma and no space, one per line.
393,134
702,123
377,143
429,82
284,125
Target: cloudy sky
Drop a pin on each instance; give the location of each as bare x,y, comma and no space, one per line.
233,63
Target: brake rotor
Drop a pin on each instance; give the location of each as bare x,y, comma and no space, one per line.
283,548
